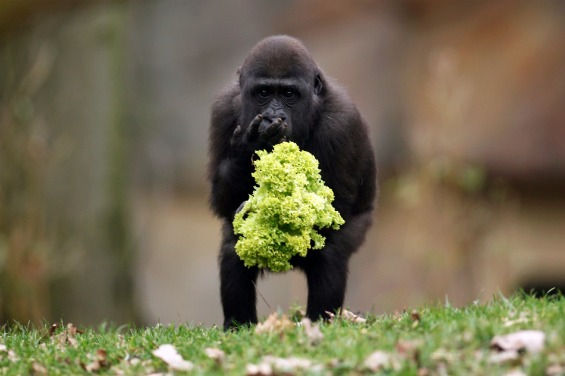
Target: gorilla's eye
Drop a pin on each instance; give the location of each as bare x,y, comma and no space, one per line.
289,94
264,93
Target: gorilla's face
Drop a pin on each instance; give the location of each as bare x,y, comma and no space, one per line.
283,85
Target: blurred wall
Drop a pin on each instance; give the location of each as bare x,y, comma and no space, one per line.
464,103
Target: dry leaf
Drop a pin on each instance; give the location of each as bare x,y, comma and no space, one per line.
215,354
67,337
378,360
410,350
504,357
515,372
524,340
52,329
346,315
555,370
510,347
275,323
100,361
38,369
312,331
12,357
271,365
262,369
168,354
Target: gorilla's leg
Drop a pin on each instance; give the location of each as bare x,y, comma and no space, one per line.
326,274
237,287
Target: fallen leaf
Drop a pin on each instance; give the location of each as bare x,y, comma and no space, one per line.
275,323
215,354
515,372
410,350
511,346
100,361
378,360
38,369
524,340
504,357
68,336
262,369
52,329
555,370
271,365
168,354
312,331
346,315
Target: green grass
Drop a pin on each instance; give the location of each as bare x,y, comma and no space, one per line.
434,340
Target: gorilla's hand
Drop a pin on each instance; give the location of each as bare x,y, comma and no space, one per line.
272,131
260,130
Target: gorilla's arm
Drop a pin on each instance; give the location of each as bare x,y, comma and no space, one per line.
230,165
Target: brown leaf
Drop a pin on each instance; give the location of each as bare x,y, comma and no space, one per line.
262,369
346,315
38,369
409,350
271,365
100,361
379,360
68,336
52,329
275,323
312,331
524,340
511,346
168,354
215,354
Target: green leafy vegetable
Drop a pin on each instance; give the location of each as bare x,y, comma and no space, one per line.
289,205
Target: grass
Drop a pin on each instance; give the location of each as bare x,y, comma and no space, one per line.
435,340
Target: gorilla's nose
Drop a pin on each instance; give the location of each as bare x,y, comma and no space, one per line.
271,115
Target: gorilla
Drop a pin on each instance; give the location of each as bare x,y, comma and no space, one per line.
281,94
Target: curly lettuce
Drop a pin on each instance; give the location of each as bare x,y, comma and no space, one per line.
288,206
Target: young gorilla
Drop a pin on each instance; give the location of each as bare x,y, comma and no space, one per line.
282,95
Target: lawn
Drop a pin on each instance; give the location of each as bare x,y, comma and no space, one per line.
520,335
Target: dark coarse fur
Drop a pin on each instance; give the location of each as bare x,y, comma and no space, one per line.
280,80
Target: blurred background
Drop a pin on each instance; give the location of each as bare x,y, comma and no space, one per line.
104,113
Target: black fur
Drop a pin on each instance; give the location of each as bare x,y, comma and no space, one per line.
280,82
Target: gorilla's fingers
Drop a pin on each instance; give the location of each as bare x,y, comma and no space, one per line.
253,129
275,132
236,135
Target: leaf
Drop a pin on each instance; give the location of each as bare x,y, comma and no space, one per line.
524,340
100,361
168,354
312,331
511,346
347,315
262,369
215,354
38,369
67,337
271,365
275,323
379,360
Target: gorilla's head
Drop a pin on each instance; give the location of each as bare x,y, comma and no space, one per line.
280,80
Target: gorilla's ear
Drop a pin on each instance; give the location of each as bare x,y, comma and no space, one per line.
318,87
